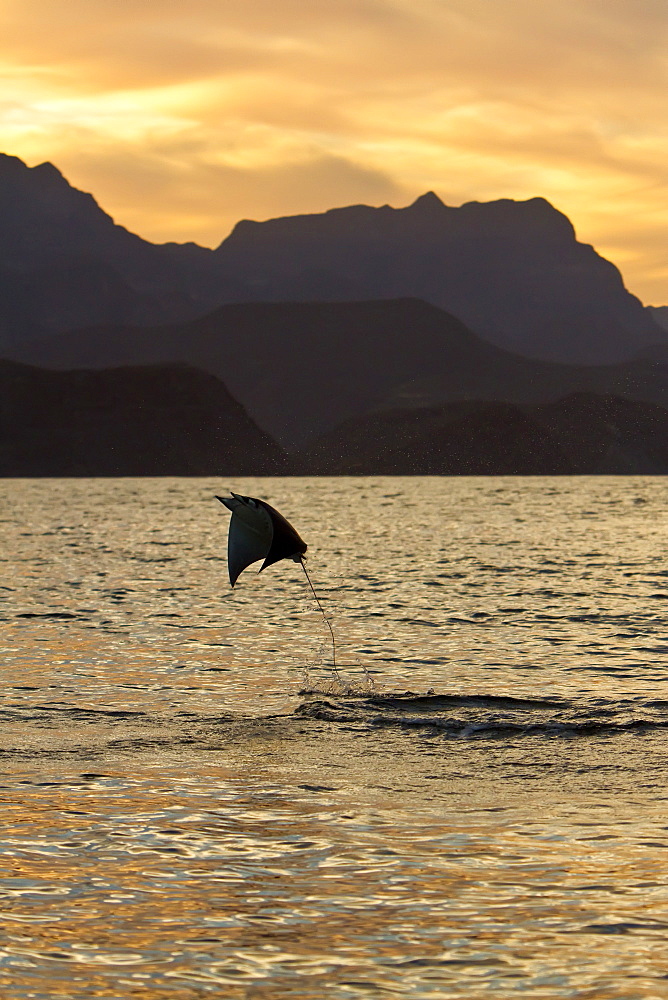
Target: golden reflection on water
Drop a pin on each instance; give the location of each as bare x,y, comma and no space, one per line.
463,580
244,877
178,821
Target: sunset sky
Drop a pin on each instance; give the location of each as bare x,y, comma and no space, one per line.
184,116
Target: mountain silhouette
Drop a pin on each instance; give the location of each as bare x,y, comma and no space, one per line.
64,263
300,369
149,421
178,421
584,433
512,271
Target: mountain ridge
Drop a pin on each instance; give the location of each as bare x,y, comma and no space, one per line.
580,434
301,368
128,421
175,420
513,271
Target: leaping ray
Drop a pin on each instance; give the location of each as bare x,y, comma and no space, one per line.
259,531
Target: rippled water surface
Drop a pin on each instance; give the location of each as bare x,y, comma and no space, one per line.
192,805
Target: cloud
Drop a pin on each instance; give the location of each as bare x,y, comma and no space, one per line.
203,197
183,115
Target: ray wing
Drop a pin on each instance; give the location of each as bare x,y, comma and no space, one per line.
250,534
285,542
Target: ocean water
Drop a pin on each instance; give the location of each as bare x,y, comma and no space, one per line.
193,806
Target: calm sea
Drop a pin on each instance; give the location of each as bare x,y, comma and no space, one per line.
193,807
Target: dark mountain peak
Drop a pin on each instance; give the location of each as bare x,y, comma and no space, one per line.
429,202
36,200
513,271
43,177
47,174
334,223
534,219
65,263
11,166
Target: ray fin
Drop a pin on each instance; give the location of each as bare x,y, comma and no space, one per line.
285,542
250,534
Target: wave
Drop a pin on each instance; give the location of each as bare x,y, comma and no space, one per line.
479,716
62,728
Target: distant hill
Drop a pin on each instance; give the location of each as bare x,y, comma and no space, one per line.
581,434
175,420
511,271
152,421
300,369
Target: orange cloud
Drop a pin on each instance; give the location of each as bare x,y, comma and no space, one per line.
183,116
